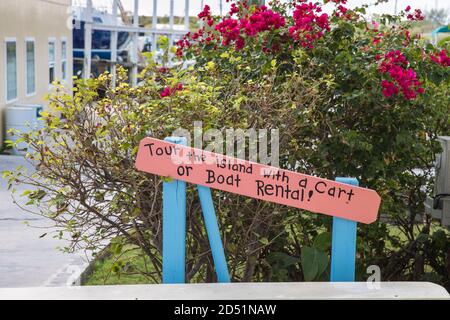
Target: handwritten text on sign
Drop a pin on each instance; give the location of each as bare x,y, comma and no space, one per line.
258,181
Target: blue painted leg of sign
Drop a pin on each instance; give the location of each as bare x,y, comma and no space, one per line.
212,228
343,246
174,227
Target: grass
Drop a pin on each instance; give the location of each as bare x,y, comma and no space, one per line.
102,275
105,270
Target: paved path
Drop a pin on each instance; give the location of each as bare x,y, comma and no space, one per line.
238,291
25,259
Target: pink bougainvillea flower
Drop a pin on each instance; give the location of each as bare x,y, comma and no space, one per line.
168,91
163,70
416,16
229,29
441,58
260,20
408,35
240,43
165,92
377,38
206,12
234,9
389,89
375,24
309,24
403,79
182,44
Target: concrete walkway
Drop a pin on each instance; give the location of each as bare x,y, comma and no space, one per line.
238,291
25,259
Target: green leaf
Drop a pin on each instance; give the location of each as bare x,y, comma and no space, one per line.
323,241
118,249
167,179
6,174
314,263
282,259
440,238
38,194
25,193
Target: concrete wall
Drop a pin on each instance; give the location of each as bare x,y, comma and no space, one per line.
41,20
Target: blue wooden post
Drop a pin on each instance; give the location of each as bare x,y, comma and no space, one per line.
343,246
212,228
174,227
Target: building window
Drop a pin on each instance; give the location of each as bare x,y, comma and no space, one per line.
51,61
64,59
11,70
31,67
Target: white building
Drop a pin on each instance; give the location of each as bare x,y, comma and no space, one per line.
35,50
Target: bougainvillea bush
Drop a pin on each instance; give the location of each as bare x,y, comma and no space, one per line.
351,96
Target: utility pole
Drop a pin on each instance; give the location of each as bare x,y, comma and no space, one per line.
201,9
154,25
186,15
135,46
88,41
114,40
171,26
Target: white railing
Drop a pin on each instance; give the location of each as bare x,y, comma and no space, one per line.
134,29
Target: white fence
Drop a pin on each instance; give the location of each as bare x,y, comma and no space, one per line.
134,29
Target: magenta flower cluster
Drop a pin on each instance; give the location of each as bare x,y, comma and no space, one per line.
402,78
309,24
168,91
260,20
441,58
417,15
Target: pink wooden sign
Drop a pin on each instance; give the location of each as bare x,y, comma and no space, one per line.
258,181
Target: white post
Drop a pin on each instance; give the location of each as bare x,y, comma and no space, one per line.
114,38
154,26
171,16
88,41
171,23
201,9
135,46
186,15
